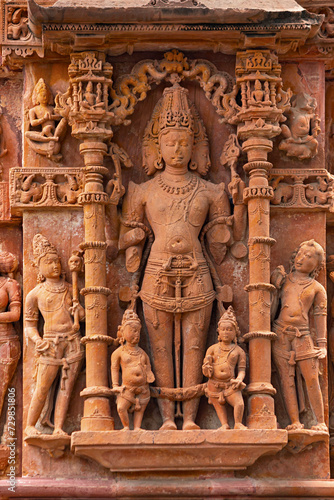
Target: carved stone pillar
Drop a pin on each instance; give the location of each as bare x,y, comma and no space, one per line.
86,105
256,106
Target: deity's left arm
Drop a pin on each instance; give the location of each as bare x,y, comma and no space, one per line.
236,188
320,318
218,213
149,374
132,236
241,365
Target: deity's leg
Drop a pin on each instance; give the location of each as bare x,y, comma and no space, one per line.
123,406
7,370
64,396
310,372
237,402
45,377
160,330
288,389
195,326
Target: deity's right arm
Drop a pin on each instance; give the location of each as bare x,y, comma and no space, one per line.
34,120
115,367
15,302
31,316
207,367
132,235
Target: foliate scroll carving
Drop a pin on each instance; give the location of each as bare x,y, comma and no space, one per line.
58,348
32,187
222,359
302,129
16,38
302,189
129,89
295,351
46,127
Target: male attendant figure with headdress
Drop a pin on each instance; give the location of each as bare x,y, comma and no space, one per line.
134,393
177,290
219,366
295,353
59,348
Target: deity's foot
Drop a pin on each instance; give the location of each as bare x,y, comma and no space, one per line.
224,427
168,425
189,425
60,432
239,426
125,428
295,426
320,427
31,430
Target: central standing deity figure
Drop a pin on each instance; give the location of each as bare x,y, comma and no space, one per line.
177,290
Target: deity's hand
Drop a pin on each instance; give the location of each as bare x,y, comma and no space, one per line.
278,276
236,188
322,352
118,389
42,345
237,384
207,367
75,307
47,116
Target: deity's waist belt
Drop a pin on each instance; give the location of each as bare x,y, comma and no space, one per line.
280,327
175,266
58,337
178,304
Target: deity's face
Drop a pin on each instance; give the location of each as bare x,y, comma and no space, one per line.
49,266
202,158
150,154
43,95
226,332
131,332
176,147
307,259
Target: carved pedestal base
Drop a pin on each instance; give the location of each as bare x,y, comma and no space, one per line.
4,455
55,445
302,439
133,451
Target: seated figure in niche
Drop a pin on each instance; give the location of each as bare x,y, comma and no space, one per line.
133,394
294,352
45,135
177,290
10,311
219,366
59,349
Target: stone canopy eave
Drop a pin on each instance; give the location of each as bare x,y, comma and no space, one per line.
216,26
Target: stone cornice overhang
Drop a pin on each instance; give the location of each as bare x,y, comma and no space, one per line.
64,29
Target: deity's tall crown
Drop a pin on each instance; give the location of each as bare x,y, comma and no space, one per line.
176,112
41,246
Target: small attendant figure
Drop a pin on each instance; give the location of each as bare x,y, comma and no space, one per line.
219,366
134,393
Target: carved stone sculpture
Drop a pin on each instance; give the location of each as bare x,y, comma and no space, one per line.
300,136
177,290
10,311
294,351
47,128
59,348
219,366
133,394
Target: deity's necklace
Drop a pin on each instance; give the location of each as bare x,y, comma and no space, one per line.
132,353
177,190
55,288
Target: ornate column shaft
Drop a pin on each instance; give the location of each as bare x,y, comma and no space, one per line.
86,104
256,106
